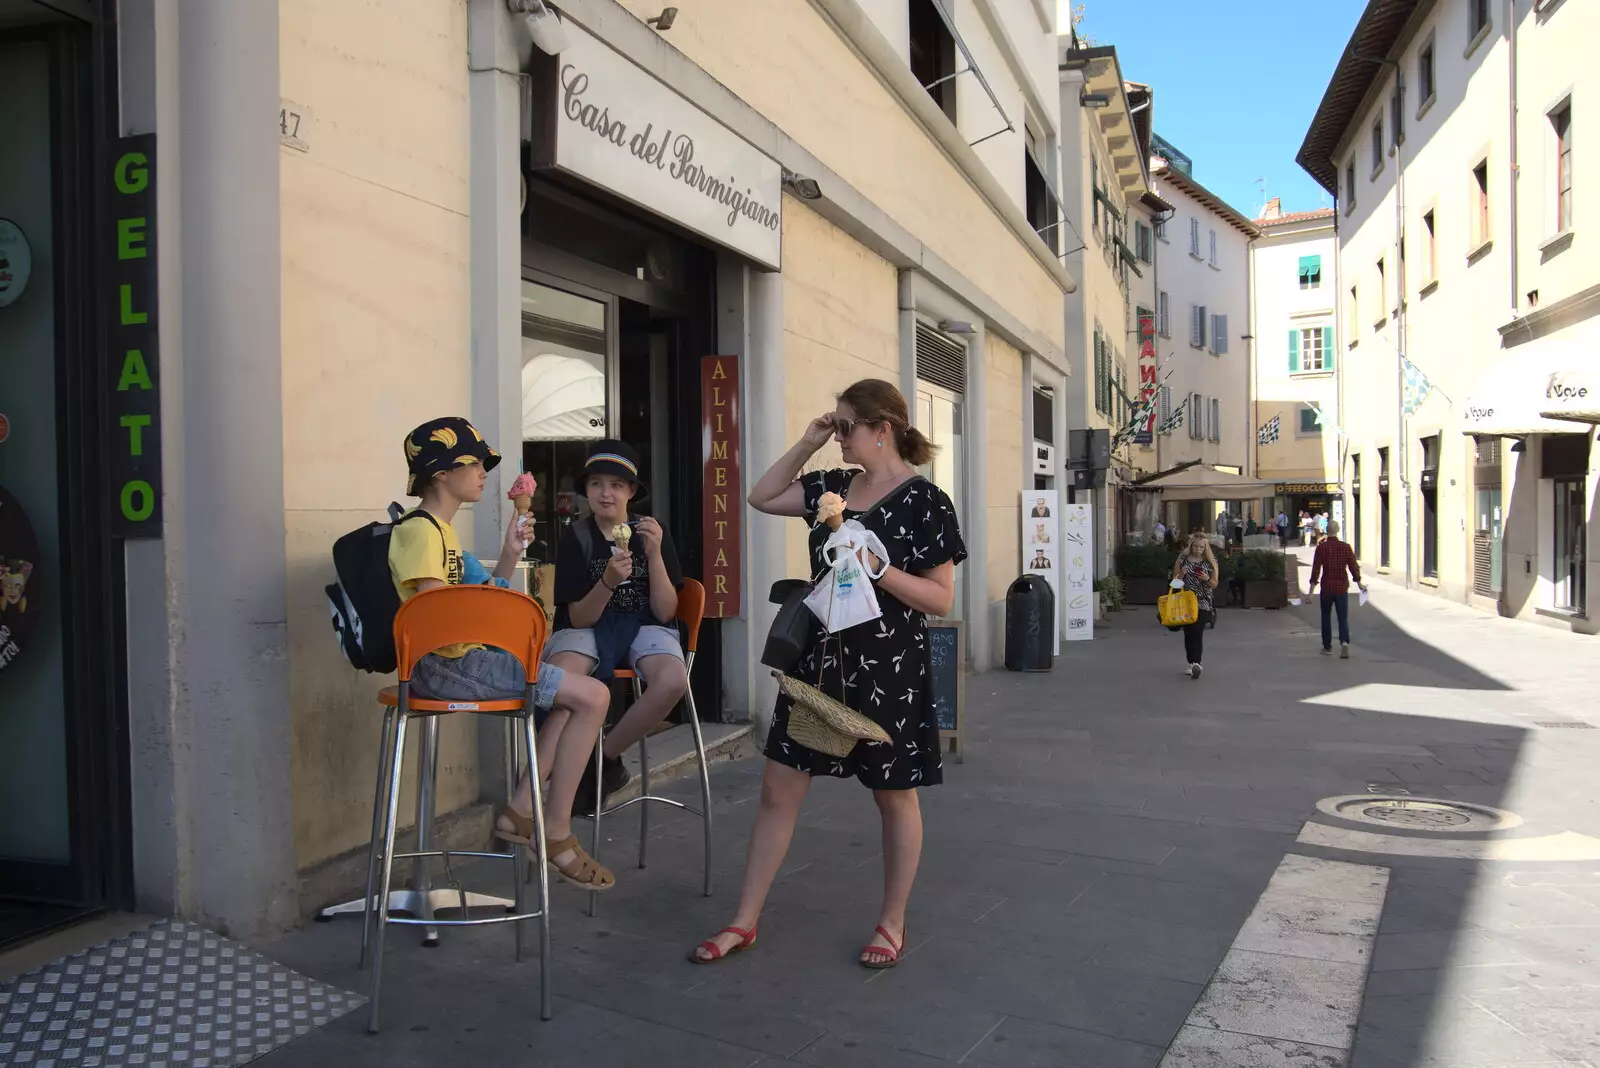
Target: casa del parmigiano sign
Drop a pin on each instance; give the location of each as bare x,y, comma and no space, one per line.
599,117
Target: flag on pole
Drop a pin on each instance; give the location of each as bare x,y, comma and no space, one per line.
1268,432
1174,420
1417,385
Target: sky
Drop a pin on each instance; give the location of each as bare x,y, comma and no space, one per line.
1236,83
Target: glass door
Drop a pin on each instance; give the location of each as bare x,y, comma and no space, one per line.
1570,544
568,387
1489,527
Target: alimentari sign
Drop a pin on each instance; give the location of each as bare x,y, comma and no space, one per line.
601,118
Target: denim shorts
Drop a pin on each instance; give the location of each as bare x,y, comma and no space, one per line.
650,641
483,675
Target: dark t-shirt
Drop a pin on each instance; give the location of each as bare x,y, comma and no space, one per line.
575,576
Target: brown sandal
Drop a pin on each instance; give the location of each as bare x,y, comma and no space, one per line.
522,827
582,871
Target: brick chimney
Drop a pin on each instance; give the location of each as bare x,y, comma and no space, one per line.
1274,209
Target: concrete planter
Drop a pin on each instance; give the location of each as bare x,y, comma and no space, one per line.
1266,593
1144,590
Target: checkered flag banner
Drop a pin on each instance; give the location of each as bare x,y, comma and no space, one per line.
1269,432
1417,386
1175,420
1138,418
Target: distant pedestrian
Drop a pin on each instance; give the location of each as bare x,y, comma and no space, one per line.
1197,567
1283,528
1322,523
1161,532
1330,563
1224,524
1308,528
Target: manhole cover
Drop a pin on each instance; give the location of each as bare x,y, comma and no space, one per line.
1418,813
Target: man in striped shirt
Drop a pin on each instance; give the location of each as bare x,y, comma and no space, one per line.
1334,564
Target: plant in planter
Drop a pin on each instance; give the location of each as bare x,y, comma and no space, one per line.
1113,594
1262,571
1145,571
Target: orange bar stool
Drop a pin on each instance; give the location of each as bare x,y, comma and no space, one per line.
484,615
691,612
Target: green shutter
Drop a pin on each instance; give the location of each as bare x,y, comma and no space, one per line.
1294,351
1327,348
1310,265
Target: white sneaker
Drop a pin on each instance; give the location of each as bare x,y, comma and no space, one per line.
1344,650
1194,671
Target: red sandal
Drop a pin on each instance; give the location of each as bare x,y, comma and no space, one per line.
892,950
747,941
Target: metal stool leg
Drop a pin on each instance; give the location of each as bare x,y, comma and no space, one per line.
705,780
541,860
427,787
644,780
599,804
394,758
380,793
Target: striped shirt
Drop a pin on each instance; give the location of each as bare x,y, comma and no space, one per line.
1332,560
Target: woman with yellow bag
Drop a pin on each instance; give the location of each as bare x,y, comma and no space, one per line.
1196,568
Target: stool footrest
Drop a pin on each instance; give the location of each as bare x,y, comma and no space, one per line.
444,853
482,922
637,801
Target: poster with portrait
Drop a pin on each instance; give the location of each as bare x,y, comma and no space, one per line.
1041,529
19,553
1077,569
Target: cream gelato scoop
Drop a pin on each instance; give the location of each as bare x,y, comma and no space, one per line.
830,510
620,534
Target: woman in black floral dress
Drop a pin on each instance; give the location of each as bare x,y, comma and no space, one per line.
881,668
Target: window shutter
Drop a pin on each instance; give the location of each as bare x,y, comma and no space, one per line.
1164,405
1327,348
1219,334
1216,419
1294,351
1203,324
940,359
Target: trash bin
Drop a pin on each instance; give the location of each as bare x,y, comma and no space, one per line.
1030,624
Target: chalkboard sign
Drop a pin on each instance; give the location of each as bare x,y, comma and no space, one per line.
946,649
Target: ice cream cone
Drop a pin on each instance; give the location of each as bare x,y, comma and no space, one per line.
830,510
620,534
522,503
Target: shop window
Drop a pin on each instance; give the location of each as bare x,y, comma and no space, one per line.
933,54
1044,414
1355,505
1430,506
1383,507
1570,545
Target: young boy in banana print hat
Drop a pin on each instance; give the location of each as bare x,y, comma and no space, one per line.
448,462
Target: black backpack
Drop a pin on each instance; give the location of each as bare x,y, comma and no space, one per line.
363,600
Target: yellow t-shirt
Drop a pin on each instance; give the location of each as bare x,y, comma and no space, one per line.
419,550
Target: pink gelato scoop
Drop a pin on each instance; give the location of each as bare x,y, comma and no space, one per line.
522,486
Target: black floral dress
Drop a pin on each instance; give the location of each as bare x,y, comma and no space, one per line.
881,667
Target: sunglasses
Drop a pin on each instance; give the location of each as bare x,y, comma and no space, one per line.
844,427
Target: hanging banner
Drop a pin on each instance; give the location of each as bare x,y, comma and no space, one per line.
132,361
1077,548
722,528
19,557
1148,382
1041,552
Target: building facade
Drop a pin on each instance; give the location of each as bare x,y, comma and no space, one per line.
1202,319
1105,179
449,218
1295,390
1468,299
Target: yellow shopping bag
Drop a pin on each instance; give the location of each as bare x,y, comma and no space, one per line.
1178,608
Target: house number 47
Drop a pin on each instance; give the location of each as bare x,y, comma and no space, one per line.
294,126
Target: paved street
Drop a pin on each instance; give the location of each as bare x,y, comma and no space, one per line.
1089,868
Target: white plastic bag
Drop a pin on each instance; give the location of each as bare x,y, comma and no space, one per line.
845,597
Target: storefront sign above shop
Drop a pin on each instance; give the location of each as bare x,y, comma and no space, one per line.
132,360
1306,487
1572,395
16,262
599,117
722,527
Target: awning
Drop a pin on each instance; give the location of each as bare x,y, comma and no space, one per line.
1538,387
1202,483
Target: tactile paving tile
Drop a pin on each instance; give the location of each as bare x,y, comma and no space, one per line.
171,994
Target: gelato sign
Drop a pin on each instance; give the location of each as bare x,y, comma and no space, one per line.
599,117
132,363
